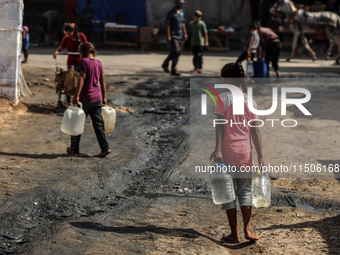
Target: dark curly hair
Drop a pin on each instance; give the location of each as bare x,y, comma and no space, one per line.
235,70
86,48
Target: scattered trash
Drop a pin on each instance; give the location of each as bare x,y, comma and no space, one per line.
46,79
187,190
35,203
300,214
166,110
184,190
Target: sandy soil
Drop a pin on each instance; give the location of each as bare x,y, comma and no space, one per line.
133,202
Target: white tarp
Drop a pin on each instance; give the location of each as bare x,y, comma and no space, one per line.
10,50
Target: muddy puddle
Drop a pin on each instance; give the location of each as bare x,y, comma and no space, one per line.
142,199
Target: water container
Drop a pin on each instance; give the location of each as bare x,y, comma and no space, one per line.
260,69
109,117
73,120
222,187
261,189
250,68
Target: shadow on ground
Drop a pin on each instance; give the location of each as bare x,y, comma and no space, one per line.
173,232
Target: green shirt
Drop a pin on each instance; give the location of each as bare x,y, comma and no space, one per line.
197,32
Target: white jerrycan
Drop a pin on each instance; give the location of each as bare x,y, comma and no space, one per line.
222,186
109,117
73,120
261,190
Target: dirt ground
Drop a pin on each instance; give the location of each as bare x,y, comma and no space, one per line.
135,201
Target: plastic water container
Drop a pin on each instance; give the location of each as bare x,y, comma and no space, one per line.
109,117
260,69
73,120
222,187
250,68
261,190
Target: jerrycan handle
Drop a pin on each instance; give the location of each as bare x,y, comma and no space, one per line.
80,104
213,162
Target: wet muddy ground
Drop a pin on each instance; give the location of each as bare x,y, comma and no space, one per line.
144,198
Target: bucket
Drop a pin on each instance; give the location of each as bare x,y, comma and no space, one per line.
260,69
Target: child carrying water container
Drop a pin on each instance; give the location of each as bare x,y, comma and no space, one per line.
233,147
91,92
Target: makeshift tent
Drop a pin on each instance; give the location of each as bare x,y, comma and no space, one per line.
134,11
10,50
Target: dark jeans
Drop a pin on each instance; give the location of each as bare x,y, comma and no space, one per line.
95,113
244,56
68,98
197,52
25,53
176,48
273,54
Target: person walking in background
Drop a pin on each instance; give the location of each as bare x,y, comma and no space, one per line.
270,44
233,147
199,38
71,41
25,43
92,95
251,46
176,32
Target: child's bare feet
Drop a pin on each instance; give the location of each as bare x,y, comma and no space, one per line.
249,235
231,238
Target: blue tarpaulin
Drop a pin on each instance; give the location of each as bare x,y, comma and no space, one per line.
134,11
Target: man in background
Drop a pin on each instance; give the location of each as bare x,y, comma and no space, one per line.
270,43
176,33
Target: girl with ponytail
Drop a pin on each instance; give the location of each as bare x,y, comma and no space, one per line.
71,41
233,147
91,92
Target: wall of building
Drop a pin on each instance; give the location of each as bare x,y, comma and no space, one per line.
234,13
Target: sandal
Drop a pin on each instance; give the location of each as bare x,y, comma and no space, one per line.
103,154
69,151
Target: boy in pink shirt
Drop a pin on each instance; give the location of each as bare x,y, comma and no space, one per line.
233,147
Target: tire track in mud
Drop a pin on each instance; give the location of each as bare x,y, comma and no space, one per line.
27,216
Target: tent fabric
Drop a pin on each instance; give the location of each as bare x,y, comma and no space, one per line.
23,87
134,11
237,13
10,52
